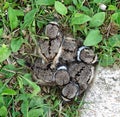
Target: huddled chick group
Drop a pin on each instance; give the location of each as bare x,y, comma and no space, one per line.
63,62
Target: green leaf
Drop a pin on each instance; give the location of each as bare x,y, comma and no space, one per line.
71,8
60,8
36,112
1,100
1,32
80,19
19,12
102,1
93,38
27,76
97,20
34,85
1,84
86,10
4,53
21,62
8,91
114,41
112,7
36,102
29,18
45,2
3,111
106,60
16,44
75,2
13,18
6,5
67,2
20,82
24,108
23,97
116,17
56,103
8,71
40,24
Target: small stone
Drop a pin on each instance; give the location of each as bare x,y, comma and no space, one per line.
102,7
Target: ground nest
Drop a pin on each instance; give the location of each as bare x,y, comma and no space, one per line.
64,62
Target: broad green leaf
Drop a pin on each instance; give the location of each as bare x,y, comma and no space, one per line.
86,10
29,18
27,76
8,71
106,60
21,62
45,2
12,18
16,44
97,20
93,38
36,112
24,108
75,2
67,2
1,100
23,97
40,24
71,8
78,3
60,8
1,32
116,17
19,12
6,5
114,41
8,91
1,84
112,7
102,1
3,111
34,85
4,52
80,19
36,102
